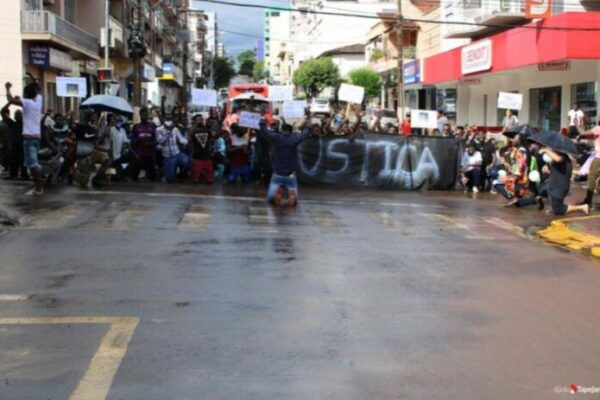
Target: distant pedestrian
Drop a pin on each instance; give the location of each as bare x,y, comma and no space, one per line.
594,173
510,120
441,120
576,121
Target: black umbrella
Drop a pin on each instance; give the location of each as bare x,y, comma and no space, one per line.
524,130
555,141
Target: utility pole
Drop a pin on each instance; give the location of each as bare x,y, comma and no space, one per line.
400,72
106,40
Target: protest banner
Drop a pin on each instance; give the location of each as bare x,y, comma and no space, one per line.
511,101
202,97
423,119
351,93
281,93
249,120
294,109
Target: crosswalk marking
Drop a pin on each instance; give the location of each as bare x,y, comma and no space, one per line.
58,218
126,216
262,219
196,218
327,221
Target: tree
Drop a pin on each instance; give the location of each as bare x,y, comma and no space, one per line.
246,60
247,68
368,79
246,55
315,75
223,71
259,72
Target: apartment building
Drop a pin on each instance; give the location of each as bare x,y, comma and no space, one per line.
552,69
278,48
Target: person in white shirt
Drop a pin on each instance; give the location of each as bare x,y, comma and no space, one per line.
441,120
169,138
510,121
120,147
31,103
576,121
471,168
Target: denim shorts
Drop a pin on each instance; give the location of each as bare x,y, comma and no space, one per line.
30,150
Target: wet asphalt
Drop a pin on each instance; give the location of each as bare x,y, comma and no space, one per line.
353,295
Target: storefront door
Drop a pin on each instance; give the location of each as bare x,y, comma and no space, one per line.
544,108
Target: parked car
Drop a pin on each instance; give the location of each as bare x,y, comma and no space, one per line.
387,117
320,106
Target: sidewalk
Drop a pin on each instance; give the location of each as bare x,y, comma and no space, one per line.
579,233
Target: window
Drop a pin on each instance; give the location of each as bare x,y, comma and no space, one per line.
70,11
544,108
585,95
50,96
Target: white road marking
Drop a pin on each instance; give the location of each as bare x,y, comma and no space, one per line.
13,297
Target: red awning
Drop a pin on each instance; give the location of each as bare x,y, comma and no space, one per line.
523,46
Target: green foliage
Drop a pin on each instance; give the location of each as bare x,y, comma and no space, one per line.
368,79
315,75
247,68
223,71
247,55
376,54
259,73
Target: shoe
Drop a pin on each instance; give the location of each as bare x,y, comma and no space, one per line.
292,199
38,192
278,197
475,189
493,191
540,203
586,209
512,202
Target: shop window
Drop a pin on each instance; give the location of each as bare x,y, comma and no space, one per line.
545,108
446,101
585,94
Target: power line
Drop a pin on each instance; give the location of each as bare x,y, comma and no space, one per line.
415,20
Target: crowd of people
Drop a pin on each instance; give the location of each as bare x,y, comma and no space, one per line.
527,173
104,148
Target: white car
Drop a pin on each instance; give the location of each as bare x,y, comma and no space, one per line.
387,117
320,106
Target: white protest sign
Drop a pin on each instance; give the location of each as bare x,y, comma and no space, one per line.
201,97
511,101
294,109
423,119
281,93
351,93
71,87
249,120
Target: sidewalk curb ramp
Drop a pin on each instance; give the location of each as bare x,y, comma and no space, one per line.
561,232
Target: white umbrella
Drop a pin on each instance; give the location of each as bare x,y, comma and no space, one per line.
108,103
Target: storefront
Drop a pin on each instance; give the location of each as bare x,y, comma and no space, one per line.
416,95
550,73
46,63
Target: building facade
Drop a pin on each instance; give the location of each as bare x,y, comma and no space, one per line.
277,48
551,69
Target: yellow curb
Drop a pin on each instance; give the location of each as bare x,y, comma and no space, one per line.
559,233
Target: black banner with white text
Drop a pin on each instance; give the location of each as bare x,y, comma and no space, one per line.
384,161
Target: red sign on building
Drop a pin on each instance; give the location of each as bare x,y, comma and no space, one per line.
538,8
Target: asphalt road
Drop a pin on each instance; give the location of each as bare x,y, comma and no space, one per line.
157,293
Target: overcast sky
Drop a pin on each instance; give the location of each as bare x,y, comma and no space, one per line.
244,20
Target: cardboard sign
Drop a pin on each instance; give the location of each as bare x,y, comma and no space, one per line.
281,93
351,93
71,87
201,97
423,119
294,109
511,101
249,120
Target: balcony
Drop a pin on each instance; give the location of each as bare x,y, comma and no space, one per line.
116,35
504,12
47,26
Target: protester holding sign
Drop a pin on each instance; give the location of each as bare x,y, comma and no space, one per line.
238,153
285,159
510,121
